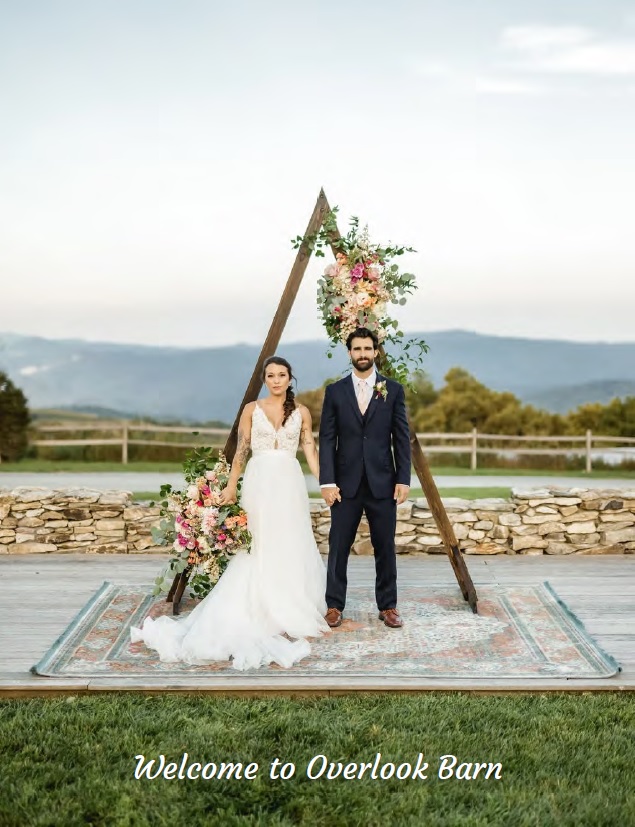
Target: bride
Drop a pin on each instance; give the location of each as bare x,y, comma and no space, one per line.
277,591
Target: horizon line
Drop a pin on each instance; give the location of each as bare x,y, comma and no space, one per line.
407,333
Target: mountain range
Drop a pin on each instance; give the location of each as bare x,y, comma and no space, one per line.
208,383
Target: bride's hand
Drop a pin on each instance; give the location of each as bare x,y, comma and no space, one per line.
228,496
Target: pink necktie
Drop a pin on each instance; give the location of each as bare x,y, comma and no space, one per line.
362,396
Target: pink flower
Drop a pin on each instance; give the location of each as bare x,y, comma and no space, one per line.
331,271
221,537
183,541
210,475
357,272
205,490
209,520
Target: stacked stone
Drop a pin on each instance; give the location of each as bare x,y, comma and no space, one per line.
475,522
545,521
139,519
568,521
540,521
38,520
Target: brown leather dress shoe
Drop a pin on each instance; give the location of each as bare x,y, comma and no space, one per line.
334,618
391,618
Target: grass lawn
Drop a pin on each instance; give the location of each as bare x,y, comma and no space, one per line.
566,760
449,470
467,493
38,466
42,465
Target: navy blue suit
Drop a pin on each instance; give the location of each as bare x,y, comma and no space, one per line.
366,456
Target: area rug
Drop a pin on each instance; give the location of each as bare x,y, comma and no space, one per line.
519,632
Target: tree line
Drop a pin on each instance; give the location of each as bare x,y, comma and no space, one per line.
463,403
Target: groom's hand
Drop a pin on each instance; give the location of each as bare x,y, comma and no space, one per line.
401,493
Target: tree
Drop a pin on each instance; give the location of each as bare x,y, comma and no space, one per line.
313,400
618,417
14,420
463,403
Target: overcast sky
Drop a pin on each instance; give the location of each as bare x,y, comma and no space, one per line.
157,157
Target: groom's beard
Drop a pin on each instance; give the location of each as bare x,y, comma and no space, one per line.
363,363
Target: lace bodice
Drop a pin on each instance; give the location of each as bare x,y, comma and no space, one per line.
264,436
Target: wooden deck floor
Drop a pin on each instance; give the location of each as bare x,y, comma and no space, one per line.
42,594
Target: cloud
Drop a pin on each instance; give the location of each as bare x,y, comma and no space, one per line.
493,85
542,38
431,68
467,82
569,50
29,370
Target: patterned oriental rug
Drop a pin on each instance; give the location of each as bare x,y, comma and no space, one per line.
520,632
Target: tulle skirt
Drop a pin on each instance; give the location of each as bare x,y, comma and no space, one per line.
264,598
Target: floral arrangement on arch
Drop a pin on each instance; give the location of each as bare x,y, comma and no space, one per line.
202,534
358,289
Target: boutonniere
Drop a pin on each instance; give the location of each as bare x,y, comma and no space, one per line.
381,390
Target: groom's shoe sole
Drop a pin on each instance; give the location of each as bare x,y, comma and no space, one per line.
334,618
391,618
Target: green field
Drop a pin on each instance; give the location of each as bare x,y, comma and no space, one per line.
39,466
564,760
465,493
42,465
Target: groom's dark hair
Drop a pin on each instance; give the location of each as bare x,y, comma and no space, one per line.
362,333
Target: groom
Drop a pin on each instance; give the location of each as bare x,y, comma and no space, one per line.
364,468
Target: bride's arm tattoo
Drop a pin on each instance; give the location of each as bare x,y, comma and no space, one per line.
308,444
242,451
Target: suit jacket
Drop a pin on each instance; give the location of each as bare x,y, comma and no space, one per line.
377,443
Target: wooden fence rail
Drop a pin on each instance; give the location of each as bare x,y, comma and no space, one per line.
473,443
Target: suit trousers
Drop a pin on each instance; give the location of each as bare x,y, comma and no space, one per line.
345,518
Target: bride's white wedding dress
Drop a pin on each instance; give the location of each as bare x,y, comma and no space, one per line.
275,590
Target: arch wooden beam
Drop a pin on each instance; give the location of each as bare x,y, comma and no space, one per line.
272,340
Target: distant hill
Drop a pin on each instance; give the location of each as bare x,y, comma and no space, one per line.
82,413
568,398
208,383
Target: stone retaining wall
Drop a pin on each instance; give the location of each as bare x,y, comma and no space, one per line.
37,520
552,521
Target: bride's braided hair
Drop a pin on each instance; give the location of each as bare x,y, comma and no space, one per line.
289,402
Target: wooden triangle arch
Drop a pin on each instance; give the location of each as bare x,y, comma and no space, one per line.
254,387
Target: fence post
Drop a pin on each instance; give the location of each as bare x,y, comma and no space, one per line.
124,443
474,448
588,450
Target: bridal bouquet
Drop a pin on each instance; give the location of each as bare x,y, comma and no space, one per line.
357,292
202,534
